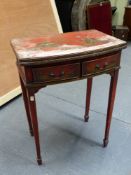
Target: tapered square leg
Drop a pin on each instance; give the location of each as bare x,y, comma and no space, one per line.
88,97
32,107
25,98
112,92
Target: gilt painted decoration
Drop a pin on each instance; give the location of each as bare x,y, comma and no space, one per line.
63,44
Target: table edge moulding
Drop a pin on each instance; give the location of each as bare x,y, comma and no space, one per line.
64,58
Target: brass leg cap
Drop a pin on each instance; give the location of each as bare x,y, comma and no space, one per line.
86,118
105,143
39,161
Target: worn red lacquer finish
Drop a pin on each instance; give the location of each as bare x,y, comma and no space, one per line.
63,44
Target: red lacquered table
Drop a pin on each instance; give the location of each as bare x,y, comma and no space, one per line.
63,58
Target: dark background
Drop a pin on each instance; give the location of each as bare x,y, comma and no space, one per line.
64,10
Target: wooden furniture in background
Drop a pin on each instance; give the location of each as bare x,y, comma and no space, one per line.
63,58
99,16
127,20
121,32
78,14
21,19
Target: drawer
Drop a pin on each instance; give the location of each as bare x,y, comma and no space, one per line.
57,73
99,66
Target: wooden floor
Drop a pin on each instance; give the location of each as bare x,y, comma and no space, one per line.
21,19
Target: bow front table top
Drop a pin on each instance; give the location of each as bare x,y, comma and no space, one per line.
63,58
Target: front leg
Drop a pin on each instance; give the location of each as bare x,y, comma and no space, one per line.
32,107
25,98
88,97
112,93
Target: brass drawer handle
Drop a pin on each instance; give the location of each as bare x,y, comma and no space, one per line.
62,73
51,74
106,64
97,66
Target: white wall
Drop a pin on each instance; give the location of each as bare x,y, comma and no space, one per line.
118,16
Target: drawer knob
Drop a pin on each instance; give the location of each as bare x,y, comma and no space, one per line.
97,66
51,74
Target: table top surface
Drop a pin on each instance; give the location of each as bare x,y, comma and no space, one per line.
72,43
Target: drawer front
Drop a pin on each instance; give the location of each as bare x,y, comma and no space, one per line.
100,65
57,73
